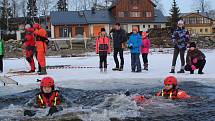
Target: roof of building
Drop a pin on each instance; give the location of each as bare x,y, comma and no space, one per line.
67,17
99,17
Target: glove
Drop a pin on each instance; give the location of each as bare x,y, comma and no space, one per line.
29,113
193,67
130,46
195,60
127,93
52,110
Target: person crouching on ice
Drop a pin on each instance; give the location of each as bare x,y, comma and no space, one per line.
103,49
48,97
195,59
171,90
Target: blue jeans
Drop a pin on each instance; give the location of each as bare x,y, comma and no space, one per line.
135,62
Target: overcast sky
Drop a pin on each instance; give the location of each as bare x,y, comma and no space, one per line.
184,5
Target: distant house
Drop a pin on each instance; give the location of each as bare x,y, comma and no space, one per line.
140,13
198,23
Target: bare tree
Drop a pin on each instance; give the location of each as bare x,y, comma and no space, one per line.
159,5
14,9
202,5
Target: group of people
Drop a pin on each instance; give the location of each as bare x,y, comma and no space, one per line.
35,43
137,44
49,97
140,44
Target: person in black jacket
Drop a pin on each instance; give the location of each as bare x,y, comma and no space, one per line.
195,59
119,41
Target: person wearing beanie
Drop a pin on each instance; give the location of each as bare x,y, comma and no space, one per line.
195,59
134,44
103,49
180,38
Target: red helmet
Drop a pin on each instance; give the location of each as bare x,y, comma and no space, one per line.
47,82
170,80
36,26
29,29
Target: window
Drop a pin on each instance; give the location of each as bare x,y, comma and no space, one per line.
192,21
186,20
121,14
144,26
201,30
79,31
148,14
206,21
126,14
206,30
135,14
200,20
149,26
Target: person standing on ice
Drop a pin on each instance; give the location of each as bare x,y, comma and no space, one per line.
195,59
119,40
48,97
1,54
146,43
180,39
103,49
29,47
171,90
134,44
41,46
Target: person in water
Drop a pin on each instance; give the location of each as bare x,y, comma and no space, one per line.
171,91
47,97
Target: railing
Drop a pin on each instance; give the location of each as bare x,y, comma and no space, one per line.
71,41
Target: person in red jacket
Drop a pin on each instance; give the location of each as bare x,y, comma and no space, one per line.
145,49
103,48
47,97
29,46
171,91
41,45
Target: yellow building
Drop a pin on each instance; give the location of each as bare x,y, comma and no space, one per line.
200,24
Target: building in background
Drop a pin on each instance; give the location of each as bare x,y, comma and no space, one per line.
129,13
200,24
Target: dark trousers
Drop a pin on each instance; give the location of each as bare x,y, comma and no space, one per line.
145,58
175,56
200,65
120,51
1,63
103,60
135,62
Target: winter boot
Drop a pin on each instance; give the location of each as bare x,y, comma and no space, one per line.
192,72
43,71
31,71
172,71
181,71
105,69
115,69
121,68
146,67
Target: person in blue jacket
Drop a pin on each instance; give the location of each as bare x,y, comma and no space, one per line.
134,44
